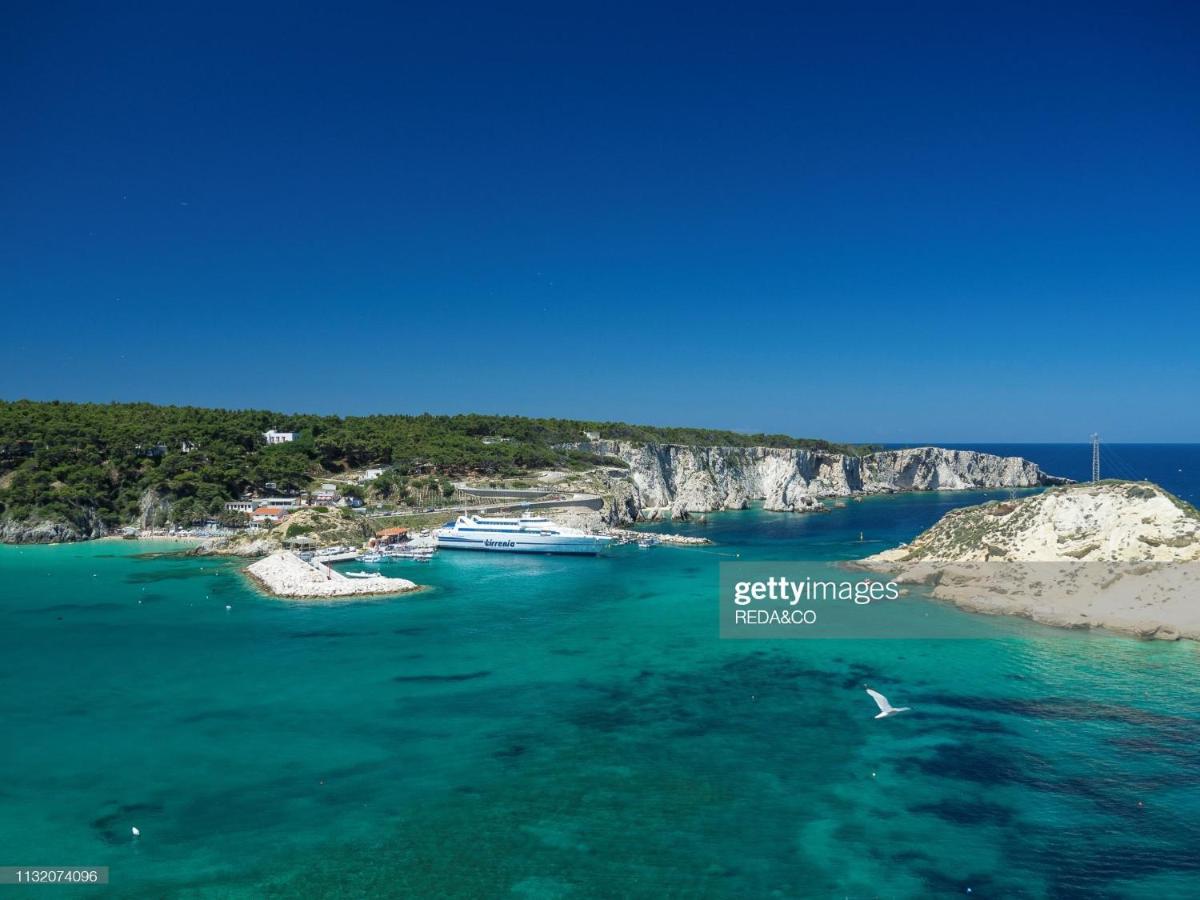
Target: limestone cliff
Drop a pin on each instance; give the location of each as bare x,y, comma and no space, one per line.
83,525
1117,555
1110,521
685,479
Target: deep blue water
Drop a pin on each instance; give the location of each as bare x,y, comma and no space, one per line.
1174,466
548,727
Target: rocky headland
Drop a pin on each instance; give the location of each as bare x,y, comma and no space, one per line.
1124,556
83,526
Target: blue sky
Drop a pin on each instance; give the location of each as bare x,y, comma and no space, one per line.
898,222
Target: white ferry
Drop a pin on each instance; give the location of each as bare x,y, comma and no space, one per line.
528,534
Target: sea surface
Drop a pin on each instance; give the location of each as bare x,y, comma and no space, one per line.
554,727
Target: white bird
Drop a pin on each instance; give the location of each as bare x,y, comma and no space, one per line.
135,831
885,709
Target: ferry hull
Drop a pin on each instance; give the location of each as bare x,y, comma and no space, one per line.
523,544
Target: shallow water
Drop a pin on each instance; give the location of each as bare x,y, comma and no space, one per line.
544,727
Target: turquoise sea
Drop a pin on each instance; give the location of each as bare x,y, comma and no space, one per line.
552,727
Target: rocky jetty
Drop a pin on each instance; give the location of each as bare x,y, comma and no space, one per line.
284,574
700,479
1118,555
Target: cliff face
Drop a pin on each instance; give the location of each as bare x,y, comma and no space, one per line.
83,527
1117,555
1106,522
699,479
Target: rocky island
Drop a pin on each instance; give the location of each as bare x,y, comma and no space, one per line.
1119,555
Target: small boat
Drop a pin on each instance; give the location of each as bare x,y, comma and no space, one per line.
362,574
646,542
371,557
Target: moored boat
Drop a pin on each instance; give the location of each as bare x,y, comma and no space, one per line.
527,534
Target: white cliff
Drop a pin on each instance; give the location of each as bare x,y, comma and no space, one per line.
1118,555
682,479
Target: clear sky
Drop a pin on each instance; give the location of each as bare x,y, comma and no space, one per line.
896,221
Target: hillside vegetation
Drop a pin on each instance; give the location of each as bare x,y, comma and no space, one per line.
76,462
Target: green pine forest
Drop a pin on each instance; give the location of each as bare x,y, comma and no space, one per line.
65,461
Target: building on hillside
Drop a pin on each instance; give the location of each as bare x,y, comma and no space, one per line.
271,514
279,437
301,543
495,439
389,536
326,495
370,475
288,503
250,504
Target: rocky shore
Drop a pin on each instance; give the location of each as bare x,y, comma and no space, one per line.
679,480
678,540
84,527
1123,556
284,574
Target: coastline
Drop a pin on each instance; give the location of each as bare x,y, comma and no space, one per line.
1119,555
1149,601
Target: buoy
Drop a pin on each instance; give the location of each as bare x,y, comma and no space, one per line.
135,831
227,606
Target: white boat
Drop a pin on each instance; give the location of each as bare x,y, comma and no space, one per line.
371,557
528,534
362,574
405,551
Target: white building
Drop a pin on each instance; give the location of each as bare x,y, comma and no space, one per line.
279,437
248,506
370,475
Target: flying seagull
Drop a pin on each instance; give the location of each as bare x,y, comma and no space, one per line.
885,709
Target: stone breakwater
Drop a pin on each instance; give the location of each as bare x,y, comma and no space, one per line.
286,575
678,540
700,479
